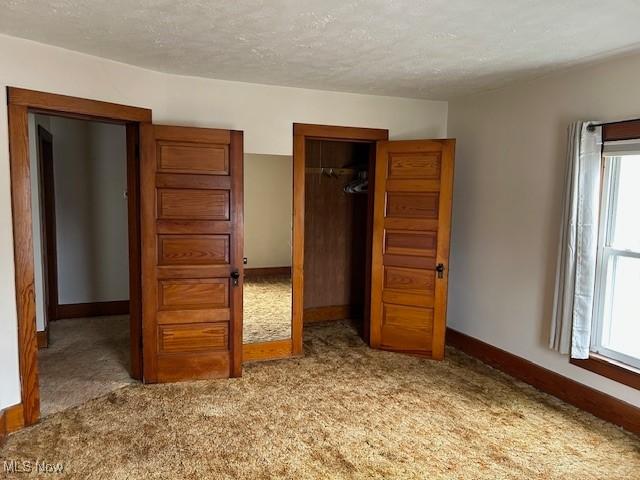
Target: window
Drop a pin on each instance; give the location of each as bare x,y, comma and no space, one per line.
616,329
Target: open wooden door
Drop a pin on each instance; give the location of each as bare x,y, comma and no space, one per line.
410,247
192,241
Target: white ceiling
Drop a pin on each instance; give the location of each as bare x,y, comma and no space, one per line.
434,49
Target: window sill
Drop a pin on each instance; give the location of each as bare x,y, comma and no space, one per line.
611,369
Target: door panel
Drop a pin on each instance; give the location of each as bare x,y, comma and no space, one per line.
188,158
194,293
193,338
192,242
193,204
412,216
193,249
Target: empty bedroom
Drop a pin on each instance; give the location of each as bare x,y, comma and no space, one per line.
320,240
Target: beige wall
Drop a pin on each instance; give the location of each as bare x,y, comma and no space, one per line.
36,219
268,210
507,204
91,210
90,178
265,113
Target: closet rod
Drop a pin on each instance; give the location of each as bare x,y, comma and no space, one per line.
330,171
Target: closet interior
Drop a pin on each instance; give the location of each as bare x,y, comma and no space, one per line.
337,233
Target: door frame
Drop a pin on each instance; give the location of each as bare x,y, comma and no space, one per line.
301,133
20,103
270,349
46,196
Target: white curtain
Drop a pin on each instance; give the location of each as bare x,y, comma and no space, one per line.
575,277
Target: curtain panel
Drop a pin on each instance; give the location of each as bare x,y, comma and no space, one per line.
576,267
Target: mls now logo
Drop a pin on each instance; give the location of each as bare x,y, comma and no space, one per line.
27,466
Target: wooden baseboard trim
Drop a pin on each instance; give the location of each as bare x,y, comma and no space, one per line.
267,272
14,417
11,420
94,309
3,427
586,398
43,338
329,313
254,352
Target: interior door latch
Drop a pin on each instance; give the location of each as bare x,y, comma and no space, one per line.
235,275
440,270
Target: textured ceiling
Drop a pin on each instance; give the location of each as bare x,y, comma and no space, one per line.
434,49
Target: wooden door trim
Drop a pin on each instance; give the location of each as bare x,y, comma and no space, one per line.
236,146
302,132
262,351
55,104
46,196
20,103
135,254
332,132
267,272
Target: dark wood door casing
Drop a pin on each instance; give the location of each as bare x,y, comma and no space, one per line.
20,103
46,185
301,133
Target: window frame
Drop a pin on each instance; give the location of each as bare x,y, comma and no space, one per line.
609,368
606,263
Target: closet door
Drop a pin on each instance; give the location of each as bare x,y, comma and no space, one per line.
410,249
192,229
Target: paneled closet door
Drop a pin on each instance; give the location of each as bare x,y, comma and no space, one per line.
410,257
192,239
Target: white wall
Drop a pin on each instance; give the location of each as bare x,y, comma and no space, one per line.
36,218
265,113
510,165
268,210
90,173
110,226
90,178
72,186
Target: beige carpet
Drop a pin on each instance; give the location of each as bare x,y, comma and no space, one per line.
86,358
267,309
343,411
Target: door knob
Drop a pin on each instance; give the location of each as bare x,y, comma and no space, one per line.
235,275
440,270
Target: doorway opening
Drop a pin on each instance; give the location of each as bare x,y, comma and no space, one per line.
80,243
333,225
337,254
268,191
58,261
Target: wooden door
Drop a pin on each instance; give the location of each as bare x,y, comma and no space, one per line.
410,247
192,239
